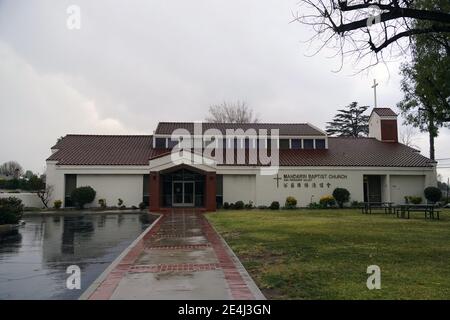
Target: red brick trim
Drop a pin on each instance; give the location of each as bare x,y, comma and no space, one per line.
238,287
155,268
183,247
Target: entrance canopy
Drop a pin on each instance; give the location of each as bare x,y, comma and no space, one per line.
182,186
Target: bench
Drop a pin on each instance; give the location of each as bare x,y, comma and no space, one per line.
427,209
367,207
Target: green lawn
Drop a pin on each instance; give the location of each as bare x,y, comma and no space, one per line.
324,254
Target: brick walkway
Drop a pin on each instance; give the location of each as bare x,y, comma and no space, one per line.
180,257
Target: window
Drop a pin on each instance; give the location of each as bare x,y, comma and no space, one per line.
296,143
284,144
320,143
308,143
172,143
160,143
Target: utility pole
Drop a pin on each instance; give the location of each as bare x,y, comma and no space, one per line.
448,186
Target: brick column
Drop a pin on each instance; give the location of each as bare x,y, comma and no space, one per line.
154,187
210,190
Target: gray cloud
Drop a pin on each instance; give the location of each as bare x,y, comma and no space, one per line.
134,63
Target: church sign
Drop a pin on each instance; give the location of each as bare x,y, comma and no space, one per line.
310,180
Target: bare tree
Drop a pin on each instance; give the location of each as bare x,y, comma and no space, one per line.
45,194
408,136
11,169
365,29
237,112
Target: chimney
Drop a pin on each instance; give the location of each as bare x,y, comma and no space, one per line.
383,125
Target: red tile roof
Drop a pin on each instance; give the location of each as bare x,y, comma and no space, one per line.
286,129
103,150
136,150
356,152
384,112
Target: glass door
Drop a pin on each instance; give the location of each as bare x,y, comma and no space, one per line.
183,193
177,193
188,194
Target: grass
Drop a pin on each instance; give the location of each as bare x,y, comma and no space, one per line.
324,254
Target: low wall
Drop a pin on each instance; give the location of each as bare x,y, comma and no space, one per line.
30,200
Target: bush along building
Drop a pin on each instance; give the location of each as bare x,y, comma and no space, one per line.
204,165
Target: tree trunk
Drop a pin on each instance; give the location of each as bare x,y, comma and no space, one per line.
431,135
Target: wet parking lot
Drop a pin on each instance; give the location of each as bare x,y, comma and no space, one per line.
35,257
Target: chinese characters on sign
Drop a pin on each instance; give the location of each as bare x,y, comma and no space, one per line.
309,180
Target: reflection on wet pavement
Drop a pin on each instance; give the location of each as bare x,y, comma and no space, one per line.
34,258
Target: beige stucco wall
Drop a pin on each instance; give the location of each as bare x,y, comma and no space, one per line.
239,187
30,200
247,184
402,186
375,126
110,182
112,187
317,182
309,185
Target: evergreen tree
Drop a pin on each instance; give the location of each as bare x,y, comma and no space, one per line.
426,85
349,122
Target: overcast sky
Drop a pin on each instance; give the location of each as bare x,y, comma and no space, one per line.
134,63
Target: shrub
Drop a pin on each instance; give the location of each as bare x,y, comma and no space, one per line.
142,206
433,194
134,207
315,205
275,205
291,203
57,204
102,203
122,207
82,196
11,210
355,204
232,206
341,195
263,207
327,201
414,199
239,205
249,205
119,202
226,205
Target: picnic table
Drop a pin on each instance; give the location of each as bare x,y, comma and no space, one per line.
367,207
429,210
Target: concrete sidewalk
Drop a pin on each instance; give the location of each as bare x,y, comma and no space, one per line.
179,257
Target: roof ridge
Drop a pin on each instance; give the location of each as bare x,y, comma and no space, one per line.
208,122
106,135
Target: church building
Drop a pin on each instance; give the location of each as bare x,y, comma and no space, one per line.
204,165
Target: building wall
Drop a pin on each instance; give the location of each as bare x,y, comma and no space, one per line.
29,200
247,184
110,182
239,188
402,186
309,185
112,187
375,126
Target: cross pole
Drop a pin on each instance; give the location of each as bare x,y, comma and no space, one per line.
375,84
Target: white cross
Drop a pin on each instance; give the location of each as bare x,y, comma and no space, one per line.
375,84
